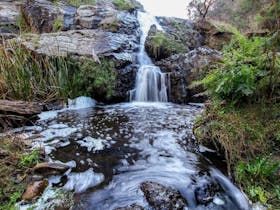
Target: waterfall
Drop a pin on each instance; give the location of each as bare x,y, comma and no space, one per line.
151,83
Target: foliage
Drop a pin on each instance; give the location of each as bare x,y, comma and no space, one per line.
90,79
124,4
29,76
246,73
30,159
245,135
269,15
22,25
259,178
12,171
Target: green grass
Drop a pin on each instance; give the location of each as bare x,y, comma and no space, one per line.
27,76
58,24
77,3
248,138
16,162
123,4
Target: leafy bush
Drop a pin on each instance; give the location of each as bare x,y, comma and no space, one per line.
249,71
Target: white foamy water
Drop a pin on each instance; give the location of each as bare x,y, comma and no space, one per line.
80,182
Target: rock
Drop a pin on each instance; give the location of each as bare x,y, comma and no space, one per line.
69,14
50,168
178,36
206,188
89,16
15,113
185,69
125,82
34,190
53,105
131,207
161,197
80,43
41,15
213,37
9,15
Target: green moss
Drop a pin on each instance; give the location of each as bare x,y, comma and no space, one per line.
77,3
163,45
123,4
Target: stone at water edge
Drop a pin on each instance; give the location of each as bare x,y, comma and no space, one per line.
131,207
161,197
34,190
50,168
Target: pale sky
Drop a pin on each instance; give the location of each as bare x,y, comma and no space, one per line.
171,8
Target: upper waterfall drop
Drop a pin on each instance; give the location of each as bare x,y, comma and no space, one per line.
151,83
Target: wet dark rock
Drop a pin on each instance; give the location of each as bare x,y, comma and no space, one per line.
50,168
178,36
53,105
131,207
34,190
125,82
205,188
161,197
185,69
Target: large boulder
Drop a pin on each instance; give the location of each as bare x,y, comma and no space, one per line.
161,197
177,36
82,43
41,15
186,68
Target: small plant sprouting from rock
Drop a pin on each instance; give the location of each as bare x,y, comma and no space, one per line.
58,24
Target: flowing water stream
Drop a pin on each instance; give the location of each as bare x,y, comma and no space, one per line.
113,149
151,83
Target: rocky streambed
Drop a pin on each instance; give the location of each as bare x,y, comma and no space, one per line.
129,156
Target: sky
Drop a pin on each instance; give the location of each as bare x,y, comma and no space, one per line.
171,8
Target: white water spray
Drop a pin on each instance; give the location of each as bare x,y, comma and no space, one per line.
151,83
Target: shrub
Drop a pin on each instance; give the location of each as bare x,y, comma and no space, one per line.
248,72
